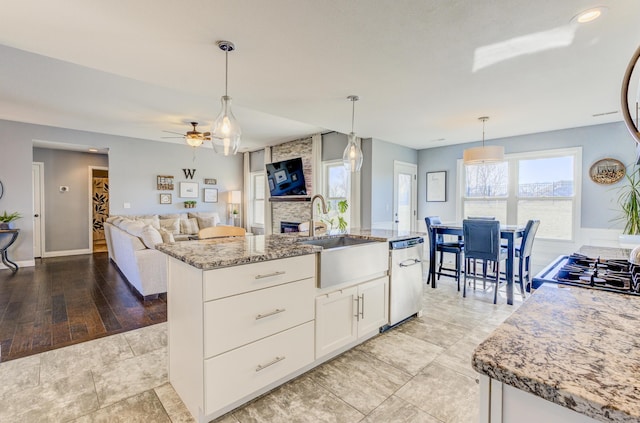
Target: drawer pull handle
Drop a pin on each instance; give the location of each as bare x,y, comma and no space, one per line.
271,363
268,275
410,262
271,313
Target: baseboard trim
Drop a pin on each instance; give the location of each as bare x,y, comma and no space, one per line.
21,263
48,254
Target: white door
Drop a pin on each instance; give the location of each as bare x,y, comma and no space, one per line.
37,176
405,176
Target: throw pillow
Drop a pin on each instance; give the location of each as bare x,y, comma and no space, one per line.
167,237
132,227
150,236
206,219
171,225
153,221
189,226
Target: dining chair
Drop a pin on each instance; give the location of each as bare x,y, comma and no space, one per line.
481,217
482,242
220,231
523,252
442,246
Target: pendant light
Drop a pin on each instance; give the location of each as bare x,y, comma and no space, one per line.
352,156
484,154
225,131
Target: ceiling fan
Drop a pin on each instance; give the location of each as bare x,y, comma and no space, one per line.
194,138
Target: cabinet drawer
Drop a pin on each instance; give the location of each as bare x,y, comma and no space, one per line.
235,374
220,283
234,321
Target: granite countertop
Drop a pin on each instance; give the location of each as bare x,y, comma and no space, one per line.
579,348
210,254
223,252
605,252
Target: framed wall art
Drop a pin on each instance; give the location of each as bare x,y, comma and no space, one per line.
165,198
210,181
210,195
165,183
188,189
437,186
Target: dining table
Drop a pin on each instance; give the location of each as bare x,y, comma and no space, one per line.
507,232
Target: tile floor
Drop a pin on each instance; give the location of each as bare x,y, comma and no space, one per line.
418,372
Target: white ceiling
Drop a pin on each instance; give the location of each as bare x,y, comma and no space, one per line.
425,70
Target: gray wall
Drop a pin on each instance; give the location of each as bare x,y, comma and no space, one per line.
67,213
133,167
256,161
377,179
599,205
333,145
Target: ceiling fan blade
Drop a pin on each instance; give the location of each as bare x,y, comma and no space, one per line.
206,134
171,132
171,137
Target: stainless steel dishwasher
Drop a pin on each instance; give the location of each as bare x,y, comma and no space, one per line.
405,281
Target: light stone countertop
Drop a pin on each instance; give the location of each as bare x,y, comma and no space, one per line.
579,348
224,252
210,254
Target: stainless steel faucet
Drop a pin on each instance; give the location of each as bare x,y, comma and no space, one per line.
312,226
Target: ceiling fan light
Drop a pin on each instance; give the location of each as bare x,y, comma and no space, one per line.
193,140
226,132
483,154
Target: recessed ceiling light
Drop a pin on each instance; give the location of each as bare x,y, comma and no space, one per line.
93,150
589,15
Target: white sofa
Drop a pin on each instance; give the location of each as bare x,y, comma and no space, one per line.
131,242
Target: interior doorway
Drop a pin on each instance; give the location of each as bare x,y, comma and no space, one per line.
99,207
405,181
37,181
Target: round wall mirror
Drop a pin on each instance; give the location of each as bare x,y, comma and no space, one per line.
630,96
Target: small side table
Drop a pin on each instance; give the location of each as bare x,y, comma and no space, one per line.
13,235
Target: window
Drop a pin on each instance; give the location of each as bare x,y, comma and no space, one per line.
257,199
336,188
539,185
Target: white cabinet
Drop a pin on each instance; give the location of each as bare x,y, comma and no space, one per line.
236,332
344,316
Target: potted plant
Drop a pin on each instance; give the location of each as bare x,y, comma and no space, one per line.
629,202
6,220
189,204
336,215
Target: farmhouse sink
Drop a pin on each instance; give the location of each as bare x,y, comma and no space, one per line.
337,242
346,260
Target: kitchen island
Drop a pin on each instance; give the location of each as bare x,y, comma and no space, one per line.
248,314
568,354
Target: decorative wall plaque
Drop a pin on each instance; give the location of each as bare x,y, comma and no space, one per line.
607,171
165,183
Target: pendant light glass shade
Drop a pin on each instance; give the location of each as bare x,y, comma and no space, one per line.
483,154
352,156
225,131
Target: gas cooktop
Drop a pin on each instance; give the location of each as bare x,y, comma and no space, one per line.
589,272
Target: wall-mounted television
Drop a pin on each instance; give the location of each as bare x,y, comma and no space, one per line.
286,178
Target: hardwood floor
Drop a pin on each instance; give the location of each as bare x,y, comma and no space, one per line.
68,300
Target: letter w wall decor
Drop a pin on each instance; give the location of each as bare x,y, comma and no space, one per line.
189,173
